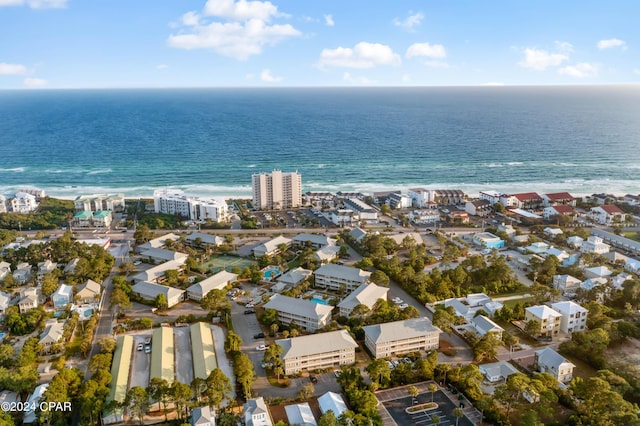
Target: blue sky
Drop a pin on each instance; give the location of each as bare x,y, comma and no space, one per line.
230,43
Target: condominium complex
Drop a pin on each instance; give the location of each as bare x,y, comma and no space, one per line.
317,351
276,190
304,313
401,337
97,202
190,207
333,277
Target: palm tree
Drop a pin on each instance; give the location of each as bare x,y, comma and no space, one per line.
435,419
457,412
433,388
413,392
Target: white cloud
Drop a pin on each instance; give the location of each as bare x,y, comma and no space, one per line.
413,20
190,19
241,10
328,21
162,67
580,70
12,69
564,46
363,55
246,31
540,60
357,79
611,43
426,50
35,82
267,77
36,4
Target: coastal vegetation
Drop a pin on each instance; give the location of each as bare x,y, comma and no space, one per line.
52,213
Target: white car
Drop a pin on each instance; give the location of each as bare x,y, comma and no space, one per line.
261,347
399,301
140,346
249,305
402,306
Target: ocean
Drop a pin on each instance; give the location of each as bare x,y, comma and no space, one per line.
208,142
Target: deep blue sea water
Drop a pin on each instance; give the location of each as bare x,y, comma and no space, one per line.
210,141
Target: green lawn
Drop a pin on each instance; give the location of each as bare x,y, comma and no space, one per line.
511,303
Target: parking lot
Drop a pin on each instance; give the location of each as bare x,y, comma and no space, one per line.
140,364
395,401
184,356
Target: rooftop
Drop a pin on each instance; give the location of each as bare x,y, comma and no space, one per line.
543,311
406,329
301,307
312,344
344,272
365,294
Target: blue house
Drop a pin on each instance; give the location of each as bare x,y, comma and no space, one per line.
62,296
488,240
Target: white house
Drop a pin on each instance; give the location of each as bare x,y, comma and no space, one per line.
366,294
88,292
62,296
300,414
29,300
256,413
606,214
23,203
51,335
574,316
632,265
497,371
594,245
479,208
597,272
549,361
575,241
149,291
567,284
552,232
551,212
5,270
4,302
548,319
424,217
332,401
22,274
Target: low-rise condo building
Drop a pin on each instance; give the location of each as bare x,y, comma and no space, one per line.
401,337
333,277
317,351
304,313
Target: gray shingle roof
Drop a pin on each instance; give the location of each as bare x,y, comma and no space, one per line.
391,331
316,343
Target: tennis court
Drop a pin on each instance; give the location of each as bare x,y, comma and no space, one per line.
220,262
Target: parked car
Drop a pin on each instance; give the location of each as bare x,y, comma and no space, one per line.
249,305
140,346
147,349
258,336
336,373
262,347
313,379
147,341
402,306
249,312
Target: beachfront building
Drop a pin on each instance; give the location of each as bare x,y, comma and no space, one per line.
492,197
574,316
401,337
272,247
548,319
190,207
334,277
317,351
82,219
256,413
488,240
23,202
549,361
98,202
567,284
595,245
149,291
304,313
399,201
102,218
525,200
276,190
559,198
607,214
218,281
366,295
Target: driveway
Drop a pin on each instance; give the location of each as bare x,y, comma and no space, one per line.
184,356
140,365
221,356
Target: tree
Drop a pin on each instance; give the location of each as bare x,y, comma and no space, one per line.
142,234
413,391
486,347
380,278
328,419
307,391
458,413
181,394
245,374
159,391
218,388
532,328
274,328
107,345
379,371
161,301
138,400
269,317
511,391
216,301
119,300
435,419
433,388
233,342
49,284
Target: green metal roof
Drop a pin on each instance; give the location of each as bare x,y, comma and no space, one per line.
204,356
162,355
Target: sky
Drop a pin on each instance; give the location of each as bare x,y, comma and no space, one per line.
237,43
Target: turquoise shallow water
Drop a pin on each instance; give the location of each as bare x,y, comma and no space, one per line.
210,141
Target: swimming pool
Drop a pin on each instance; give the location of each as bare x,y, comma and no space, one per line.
87,313
319,301
270,273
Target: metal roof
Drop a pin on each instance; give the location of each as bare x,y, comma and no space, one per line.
204,357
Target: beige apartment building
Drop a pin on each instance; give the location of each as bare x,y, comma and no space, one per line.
317,351
549,319
333,277
401,337
276,190
304,313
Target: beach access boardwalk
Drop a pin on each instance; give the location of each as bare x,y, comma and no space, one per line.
204,356
162,355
